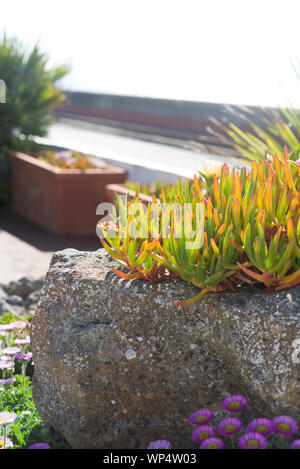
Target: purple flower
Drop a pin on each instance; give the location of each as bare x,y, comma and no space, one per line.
24,341
202,433
7,417
7,327
295,444
61,155
160,444
14,325
71,161
297,163
235,403
201,417
11,350
3,382
229,426
284,425
6,364
22,325
98,163
39,446
212,443
253,440
262,426
5,358
18,325
26,357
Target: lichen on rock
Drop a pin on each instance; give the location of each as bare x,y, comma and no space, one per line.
118,364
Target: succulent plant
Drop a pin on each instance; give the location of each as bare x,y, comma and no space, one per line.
243,227
129,244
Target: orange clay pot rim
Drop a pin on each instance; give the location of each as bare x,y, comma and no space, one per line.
123,190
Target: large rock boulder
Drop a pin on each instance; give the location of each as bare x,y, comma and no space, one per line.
118,365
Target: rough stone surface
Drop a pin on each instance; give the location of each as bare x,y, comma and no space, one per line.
24,286
20,297
118,365
14,300
5,307
32,299
3,293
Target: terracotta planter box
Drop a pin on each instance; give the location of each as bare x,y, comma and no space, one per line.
62,201
120,189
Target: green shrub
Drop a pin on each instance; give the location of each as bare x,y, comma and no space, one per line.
278,128
6,318
31,93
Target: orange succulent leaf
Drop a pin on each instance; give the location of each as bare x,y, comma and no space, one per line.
289,281
124,275
250,272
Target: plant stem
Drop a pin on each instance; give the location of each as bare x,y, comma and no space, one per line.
271,442
23,375
4,436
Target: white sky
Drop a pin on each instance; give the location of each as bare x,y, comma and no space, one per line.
233,51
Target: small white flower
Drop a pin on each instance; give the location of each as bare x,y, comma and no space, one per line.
212,167
269,157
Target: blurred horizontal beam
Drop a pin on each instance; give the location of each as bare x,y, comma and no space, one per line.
187,120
